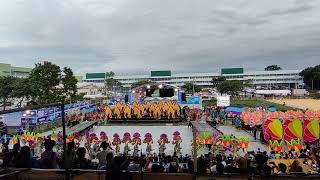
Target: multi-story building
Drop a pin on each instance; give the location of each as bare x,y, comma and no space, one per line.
282,79
8,70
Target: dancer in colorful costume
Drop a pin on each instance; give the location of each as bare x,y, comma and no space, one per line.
148,140
177,141
116,142
136,141
162,143
126,140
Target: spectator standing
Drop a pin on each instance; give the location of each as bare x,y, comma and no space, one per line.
101,156
282,169
174,166
15,153
295,167
82,162
24,158
49,159
70,156
134,165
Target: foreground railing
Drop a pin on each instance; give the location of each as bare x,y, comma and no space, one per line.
83,174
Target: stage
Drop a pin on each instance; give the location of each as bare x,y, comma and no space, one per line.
156,131
156,121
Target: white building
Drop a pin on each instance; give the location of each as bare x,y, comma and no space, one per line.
282,79
90,88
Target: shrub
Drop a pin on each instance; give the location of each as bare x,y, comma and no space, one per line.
315,95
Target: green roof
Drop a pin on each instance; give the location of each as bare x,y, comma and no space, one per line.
160,73
232,71
95,75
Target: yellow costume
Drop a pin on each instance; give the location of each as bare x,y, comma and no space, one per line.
136,112
108,112
127,111
157,113
117,113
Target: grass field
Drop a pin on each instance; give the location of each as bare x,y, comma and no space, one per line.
260,102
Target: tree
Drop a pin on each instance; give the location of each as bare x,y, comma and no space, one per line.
109,81
190,87
140,83
45,79
273,68
248,84
79,97
69,82
231,87
6,88
111,84
311,77
22,90
216,80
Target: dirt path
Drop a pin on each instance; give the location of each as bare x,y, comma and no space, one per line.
311,104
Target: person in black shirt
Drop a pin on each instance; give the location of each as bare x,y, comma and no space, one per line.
174,167
261,137
303,154
201,165
82,162
190,166
24,159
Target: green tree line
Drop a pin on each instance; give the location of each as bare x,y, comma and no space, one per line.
46,83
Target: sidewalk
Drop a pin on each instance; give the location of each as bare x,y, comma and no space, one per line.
254,145
71,130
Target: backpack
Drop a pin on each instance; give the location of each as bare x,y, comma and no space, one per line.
47,163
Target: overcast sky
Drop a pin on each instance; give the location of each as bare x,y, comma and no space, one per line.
136,36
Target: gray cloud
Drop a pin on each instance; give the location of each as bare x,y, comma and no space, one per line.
183,35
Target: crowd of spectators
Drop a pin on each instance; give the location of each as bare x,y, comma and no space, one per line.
104,158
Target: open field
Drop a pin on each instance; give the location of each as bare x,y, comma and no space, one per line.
312,104
260,102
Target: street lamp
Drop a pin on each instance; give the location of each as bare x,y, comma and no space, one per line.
26,115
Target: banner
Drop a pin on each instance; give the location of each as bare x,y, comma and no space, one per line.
12,119
192,102
44,115
223,101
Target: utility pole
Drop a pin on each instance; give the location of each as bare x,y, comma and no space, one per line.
195,156
64,138
27,123
105,83
193,87
27,120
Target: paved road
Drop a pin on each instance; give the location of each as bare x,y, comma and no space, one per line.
254,144
76,128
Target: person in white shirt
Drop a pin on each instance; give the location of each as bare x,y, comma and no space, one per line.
101,156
